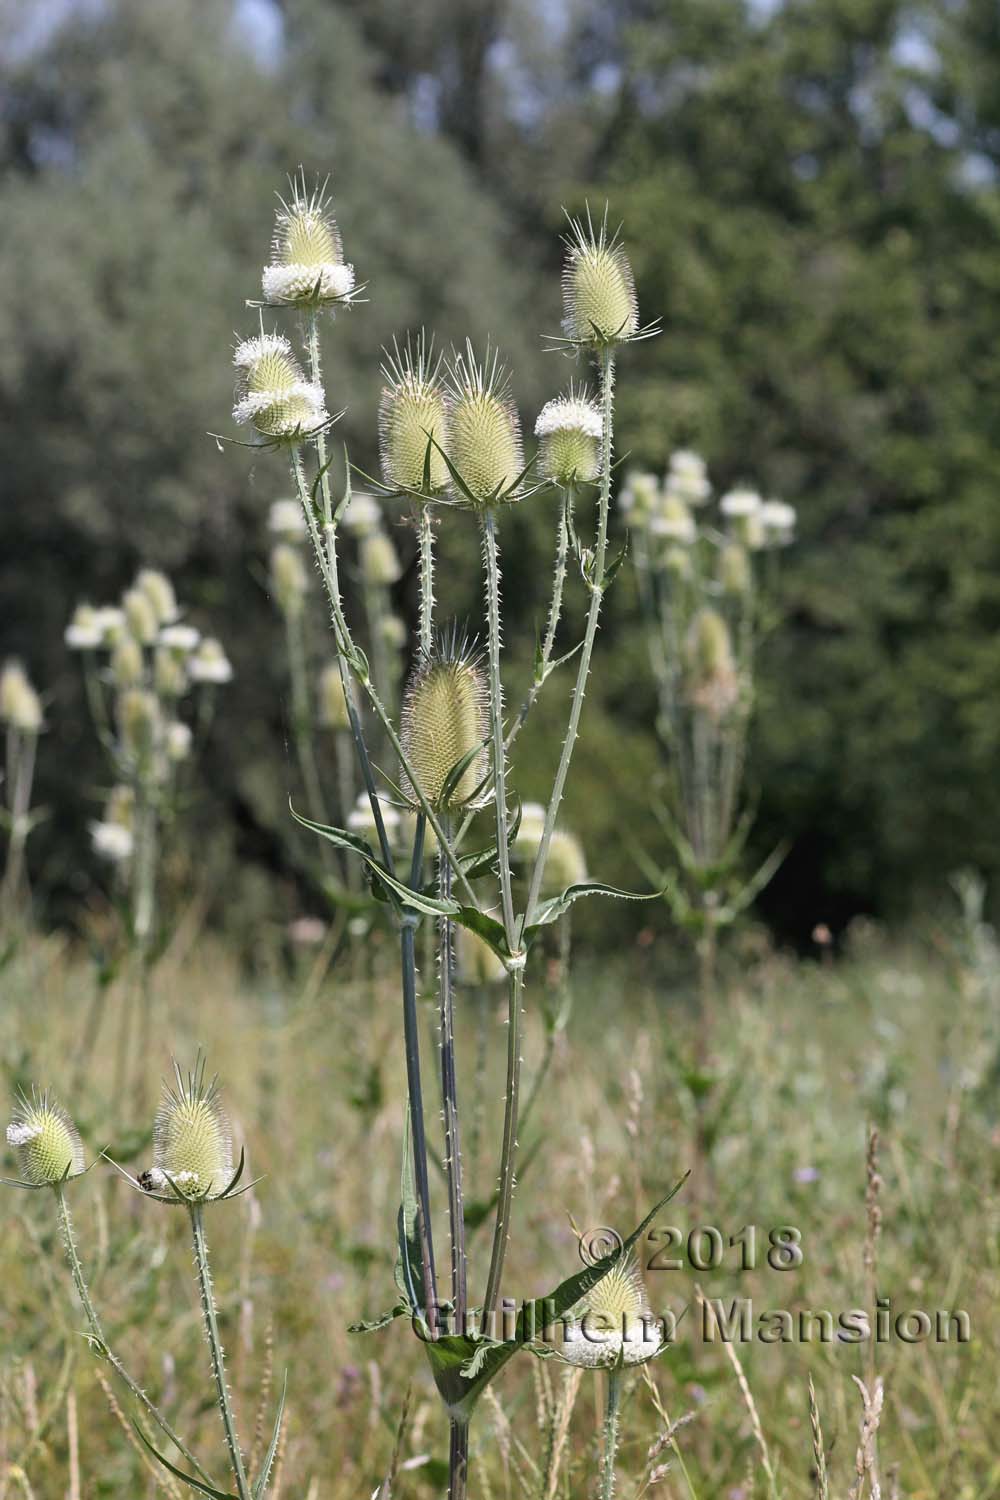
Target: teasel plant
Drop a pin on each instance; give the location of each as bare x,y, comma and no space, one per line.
193,1169
150,679
451,444
22,719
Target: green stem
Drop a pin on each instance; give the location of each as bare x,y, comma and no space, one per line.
97,1331
593,619
449,1094
426,534
492,580
458,1460
215,1351
611,1434
411,1045
555,613
508,1148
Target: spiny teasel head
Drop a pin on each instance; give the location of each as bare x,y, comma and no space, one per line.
445,717
140,616
392,630
711,679
612,1323
139,722
734,569
20,705
363,514
160,593
84,631
484,428
639,496
599,301
127,663
45,1141
272,393
331,700
412,406
170,678
307,254
672,521
379,560
687,477
286,521
210,664
113,836
778,520
569,438
289,579
192,1143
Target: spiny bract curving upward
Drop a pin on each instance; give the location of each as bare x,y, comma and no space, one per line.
445,716
192,1144
45,1141
599,301
307,254
484,428
412,405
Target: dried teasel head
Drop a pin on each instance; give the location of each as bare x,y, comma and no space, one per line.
445,720
412,411
599,301
45,1141
484,429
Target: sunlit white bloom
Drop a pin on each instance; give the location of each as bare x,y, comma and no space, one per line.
178,740
673,522
273,394
569,432
84,633
285,519
638,496
363,513
180,637
777,516
739,503
307,283
307,254
19,1133
687,477
568,412
613,1323
210,664
111,620
112,841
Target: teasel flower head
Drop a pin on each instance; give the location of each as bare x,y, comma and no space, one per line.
639,497
272,393
672,521
484,430
180,639
363,514
20,705
445,720
361,819
739,503
210,664
127,663
569,438
711,679
192,1143
778,521
687,477
45,1142
139,718
160,593
140,616
379,560
84,631
286,521
735,576
113,837
565,864
177,741
393,632
170,678
477,963
307,254
612,1324
332,706
412,409
599,301
677,562
289,579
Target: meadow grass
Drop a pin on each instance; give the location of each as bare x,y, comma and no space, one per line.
809,1056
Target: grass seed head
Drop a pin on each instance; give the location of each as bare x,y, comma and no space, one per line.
192,1144
45,1141
485,430
569,434
599,301
445,716
412,405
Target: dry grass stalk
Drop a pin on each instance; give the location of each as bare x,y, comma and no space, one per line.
160,1477
866,1458
73,1444
560,1430
821,1482
748,1401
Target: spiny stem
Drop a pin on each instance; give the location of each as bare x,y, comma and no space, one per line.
458,1460
426,535
96,1329
508,1148
449,1092
555,613
411,1045
215,1350
593,618
611,1434
492,581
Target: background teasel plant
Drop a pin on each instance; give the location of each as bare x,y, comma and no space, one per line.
452,443
22,721
150,678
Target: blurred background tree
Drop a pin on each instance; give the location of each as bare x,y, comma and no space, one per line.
811,201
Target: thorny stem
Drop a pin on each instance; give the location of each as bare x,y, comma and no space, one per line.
426,537
593,619
501,1228
316,375
611,1434
215,1350
449,1093
458,1460
492,567
555,612
411,1045
97,1331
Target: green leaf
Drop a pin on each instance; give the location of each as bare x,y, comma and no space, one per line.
260,1487
490,930
459,769
398,891
373,1325
409,1272
552,910
189,1479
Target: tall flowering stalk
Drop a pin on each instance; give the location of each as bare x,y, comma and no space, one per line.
451,442
22,720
